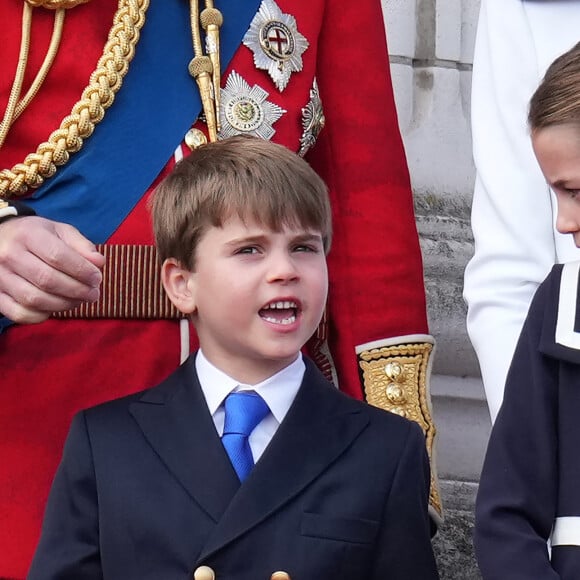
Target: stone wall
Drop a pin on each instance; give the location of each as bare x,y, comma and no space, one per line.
431,47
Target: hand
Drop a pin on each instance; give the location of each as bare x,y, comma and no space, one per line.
45,267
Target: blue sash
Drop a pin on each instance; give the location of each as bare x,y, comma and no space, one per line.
155,107
153,110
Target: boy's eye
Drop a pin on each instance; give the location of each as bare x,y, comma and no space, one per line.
306,248
247,250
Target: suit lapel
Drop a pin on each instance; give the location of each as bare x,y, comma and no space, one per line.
319,427
176,422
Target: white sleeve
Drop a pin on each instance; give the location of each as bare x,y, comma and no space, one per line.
512,214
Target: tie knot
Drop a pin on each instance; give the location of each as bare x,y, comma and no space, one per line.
244,410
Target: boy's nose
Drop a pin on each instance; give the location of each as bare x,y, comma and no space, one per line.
282,268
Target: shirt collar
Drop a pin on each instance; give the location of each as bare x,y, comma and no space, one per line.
279,390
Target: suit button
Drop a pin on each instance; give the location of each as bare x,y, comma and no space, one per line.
203,573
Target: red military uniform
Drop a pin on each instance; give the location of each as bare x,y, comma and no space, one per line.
53,369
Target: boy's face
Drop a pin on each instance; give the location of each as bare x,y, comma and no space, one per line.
256,296
557,149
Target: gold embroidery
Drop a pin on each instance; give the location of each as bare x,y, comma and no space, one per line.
395,378
55,4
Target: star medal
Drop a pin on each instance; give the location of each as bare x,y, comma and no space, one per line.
312,120
276,43
245,109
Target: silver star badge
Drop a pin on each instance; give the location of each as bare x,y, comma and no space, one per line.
312,120
276,43
244,109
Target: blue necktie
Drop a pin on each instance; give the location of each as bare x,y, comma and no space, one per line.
244,410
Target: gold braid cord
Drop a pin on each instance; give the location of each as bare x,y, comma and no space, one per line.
16,103
205,69
396,378
97,97
55,4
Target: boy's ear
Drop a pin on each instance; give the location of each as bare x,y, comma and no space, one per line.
179,286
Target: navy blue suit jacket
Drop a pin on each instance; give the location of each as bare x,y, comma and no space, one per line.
145,490
531,474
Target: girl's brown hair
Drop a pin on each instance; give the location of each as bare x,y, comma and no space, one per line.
557,99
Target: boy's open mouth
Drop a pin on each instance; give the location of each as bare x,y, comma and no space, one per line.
280,312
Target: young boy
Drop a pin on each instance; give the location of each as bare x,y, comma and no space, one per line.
530,484
158,484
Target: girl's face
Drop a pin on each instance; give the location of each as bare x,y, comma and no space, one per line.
557,149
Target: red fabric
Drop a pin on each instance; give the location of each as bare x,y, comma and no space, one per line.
51,370
376,280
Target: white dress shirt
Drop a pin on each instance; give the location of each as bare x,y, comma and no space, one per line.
278,391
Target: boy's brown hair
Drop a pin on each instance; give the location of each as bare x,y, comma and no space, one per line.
240,176
557,99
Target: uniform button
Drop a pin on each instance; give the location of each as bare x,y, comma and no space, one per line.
195,138
204,573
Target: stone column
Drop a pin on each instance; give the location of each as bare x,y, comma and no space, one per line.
431,53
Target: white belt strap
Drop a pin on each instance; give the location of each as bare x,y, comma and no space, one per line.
566,532
565,333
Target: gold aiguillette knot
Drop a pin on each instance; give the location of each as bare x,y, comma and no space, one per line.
200,68
211,20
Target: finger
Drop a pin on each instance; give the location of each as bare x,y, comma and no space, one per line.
56,253
73,238
33,299
46,280
18,313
